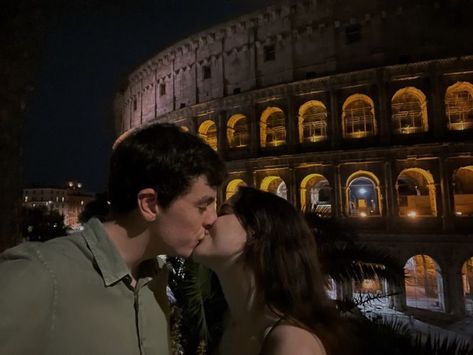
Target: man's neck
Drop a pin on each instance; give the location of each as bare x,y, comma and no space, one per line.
131,238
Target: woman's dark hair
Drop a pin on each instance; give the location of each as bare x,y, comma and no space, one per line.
282,253
162,157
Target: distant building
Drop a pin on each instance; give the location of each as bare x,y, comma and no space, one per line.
68,201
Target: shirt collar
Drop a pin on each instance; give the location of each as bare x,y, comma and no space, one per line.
111,265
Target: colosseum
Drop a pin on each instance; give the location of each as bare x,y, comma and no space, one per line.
361,111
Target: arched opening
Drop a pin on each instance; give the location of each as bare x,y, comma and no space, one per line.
275,185
208,132
237,131
463,191
416,193
423,282
358,117
363,195
232,187
312,122
459,106
467,280
316,195
272,127
409,111
371,293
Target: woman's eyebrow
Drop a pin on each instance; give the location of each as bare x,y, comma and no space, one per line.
225,207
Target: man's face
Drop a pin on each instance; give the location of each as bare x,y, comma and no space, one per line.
181,226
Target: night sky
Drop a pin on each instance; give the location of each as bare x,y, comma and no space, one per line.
90,46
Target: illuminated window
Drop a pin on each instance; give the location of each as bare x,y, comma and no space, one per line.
463,191
423,283
312,122
459,106
233,186
363,195
370,292
275,185
358,117
208,132
467,281
316,195
272,127
409,111
416,193
237,131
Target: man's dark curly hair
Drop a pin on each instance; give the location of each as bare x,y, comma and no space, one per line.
161,157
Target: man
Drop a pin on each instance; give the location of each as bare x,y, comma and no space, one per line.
102,291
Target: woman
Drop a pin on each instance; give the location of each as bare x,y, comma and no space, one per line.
265,257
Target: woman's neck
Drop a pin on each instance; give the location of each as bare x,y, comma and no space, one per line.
245,303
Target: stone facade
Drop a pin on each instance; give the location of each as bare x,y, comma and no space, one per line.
361,111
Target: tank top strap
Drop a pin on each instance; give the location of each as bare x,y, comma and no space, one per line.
268,331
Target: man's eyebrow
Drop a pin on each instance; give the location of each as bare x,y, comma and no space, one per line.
206,200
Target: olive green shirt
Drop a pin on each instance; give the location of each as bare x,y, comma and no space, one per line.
73,295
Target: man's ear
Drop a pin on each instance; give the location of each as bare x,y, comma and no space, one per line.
148,204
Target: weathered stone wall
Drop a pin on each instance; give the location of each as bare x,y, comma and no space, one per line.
307,39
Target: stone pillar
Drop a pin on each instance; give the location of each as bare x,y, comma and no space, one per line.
446,200
254,130
222,144
390,197
291,134
292,186
382,117
437,106
335,120
453,290
337,203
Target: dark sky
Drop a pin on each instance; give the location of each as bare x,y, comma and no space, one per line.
89,47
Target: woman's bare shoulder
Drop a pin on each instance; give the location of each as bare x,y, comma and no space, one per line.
286,339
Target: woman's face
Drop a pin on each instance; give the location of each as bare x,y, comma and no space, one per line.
224,242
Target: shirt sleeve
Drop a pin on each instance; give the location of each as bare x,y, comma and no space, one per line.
27,299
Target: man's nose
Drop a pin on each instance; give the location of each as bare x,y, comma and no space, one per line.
210,218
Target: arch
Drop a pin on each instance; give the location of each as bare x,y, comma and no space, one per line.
237,131
423,283
416,193
366,289
208,132
358,117
463,191
459,106
315,194
232,187
409,111
312,122
272,127
275,185
363,194
467,282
